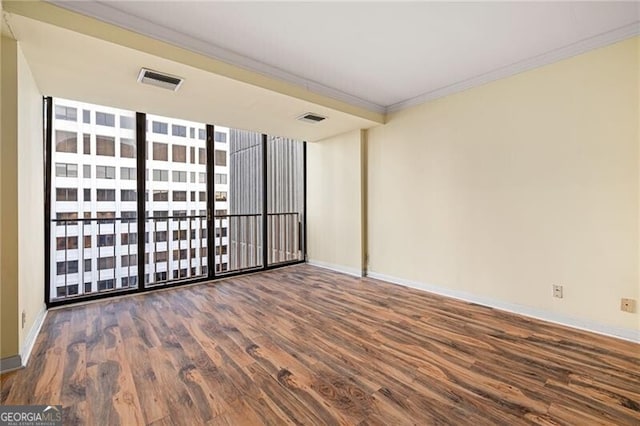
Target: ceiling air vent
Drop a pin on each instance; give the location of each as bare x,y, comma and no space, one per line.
155,78
310,117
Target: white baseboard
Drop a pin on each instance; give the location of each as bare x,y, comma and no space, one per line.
338,268
30,338
528,311
19,361
10,363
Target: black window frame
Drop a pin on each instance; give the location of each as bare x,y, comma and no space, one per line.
107,288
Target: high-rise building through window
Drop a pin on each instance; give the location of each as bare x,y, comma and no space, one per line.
94,199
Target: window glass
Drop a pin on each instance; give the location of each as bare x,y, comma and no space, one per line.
66,113
220,158
160,195
179,176
66,194
219,136
93,154
105,145
160,151
86,144
106,194
66,170
127,122
161,175
127,173
105,172
105,119
160,128
127,148
179,153
177,130
128,195
66,141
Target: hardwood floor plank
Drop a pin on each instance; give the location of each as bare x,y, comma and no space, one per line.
241,414
279,399
49,384
303,345
6,383
125,399
173,392
75,371
102,386
300,382
146,382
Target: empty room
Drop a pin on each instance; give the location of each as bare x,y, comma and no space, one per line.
319,213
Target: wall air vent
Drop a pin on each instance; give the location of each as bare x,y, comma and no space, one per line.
310,117
155,78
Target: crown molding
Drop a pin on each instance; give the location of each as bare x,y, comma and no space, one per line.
109,14
113,16
547,58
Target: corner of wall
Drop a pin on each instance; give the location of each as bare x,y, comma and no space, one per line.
504,189
335,203
30,202
9,340
637,41
20,360
21,217
363,201
29,340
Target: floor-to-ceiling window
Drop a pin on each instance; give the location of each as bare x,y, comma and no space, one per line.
285,199
175,200
198,200
244,195
93,200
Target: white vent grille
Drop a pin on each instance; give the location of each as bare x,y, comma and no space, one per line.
311,117
158,79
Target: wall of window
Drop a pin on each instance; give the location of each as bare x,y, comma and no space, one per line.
176,167
94,185
199,200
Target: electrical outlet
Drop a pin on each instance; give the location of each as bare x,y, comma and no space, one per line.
628,305
557,291
24,318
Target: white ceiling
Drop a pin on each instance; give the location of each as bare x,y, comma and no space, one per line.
64,64
377,55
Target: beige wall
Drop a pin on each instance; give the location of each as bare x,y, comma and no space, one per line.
30,198
21,198
334,202
505,189
9,340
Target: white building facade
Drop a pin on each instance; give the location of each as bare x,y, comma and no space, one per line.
93,180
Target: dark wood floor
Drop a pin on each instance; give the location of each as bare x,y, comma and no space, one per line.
303,345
